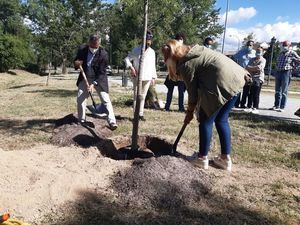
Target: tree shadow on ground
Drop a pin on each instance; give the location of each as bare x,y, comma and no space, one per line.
62,93
24,85
267,122
45,125
92,208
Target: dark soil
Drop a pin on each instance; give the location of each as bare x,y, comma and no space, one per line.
97,133
69,132
166,183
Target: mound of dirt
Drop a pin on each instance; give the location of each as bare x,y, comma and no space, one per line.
69,132
161,183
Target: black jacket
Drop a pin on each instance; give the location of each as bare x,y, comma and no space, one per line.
99,65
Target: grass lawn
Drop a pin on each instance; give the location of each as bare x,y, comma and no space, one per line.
259,145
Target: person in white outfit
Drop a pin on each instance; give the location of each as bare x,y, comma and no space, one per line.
148,74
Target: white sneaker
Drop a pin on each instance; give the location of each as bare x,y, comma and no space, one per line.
255,111
225,164
280,110
248,110
201,162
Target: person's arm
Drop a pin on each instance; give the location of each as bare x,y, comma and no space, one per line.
296,57
131,55
191,83
78,61
101,68
153,62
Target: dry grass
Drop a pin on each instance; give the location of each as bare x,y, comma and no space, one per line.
28,109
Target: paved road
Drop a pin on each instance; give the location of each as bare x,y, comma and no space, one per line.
266,101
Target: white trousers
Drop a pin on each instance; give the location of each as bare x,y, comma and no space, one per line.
83,94
145,87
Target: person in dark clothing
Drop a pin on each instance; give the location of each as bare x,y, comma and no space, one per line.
94,60
208,42
180,37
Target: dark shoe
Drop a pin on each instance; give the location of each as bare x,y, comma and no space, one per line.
297,113
142,118
113,126
274,108
86,123
181,110
243,107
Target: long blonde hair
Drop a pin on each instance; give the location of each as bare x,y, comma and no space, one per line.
173,51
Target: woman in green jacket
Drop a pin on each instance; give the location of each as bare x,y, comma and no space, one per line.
212,81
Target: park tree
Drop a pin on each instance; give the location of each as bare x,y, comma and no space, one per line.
15,38
60,26
198,19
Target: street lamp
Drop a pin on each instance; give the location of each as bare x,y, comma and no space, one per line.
239,40
273,40
227,7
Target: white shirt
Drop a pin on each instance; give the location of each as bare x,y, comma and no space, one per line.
149,70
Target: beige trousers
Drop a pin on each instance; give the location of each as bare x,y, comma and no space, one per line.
145,87
83,94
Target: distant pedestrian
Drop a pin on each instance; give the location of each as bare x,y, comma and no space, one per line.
285,61
148,74
180,37
256,68
208,42
243,57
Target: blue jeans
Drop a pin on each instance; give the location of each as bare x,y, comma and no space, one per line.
223,128
282,82
181,90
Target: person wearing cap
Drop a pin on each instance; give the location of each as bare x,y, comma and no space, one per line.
94,60
208,42
287,57
180,37
256,68
148,74
243,58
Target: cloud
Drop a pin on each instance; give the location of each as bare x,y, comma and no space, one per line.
262,33
236,16
282,18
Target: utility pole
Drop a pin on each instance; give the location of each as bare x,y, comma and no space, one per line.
273,40
135,129
227,8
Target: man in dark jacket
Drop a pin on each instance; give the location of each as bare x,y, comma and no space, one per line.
94,61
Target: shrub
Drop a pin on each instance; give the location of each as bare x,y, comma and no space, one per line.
14,52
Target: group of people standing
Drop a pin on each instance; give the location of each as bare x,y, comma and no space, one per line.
213,82
254,62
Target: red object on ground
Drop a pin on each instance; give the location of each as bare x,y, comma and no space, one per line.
4,217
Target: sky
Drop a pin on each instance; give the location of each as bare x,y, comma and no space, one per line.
265,18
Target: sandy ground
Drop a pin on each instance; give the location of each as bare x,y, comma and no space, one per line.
36,181
40,180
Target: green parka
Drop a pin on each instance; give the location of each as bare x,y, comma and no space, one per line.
211,78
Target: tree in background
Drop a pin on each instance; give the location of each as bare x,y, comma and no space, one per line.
198,19
15,38
60,26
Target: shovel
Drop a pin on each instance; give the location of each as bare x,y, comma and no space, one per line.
93,108
174,147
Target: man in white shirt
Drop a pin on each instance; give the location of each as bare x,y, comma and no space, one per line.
148,74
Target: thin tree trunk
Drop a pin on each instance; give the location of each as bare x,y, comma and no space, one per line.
49,73
64,67
135,128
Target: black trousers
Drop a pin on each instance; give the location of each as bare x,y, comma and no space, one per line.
242,103
253,99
